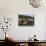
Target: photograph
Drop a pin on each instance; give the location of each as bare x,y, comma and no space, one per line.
25,20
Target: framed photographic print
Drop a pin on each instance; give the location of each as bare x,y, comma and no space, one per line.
25,20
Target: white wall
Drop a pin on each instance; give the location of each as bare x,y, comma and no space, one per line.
12,8
45,28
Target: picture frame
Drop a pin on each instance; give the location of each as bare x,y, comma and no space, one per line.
25,20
